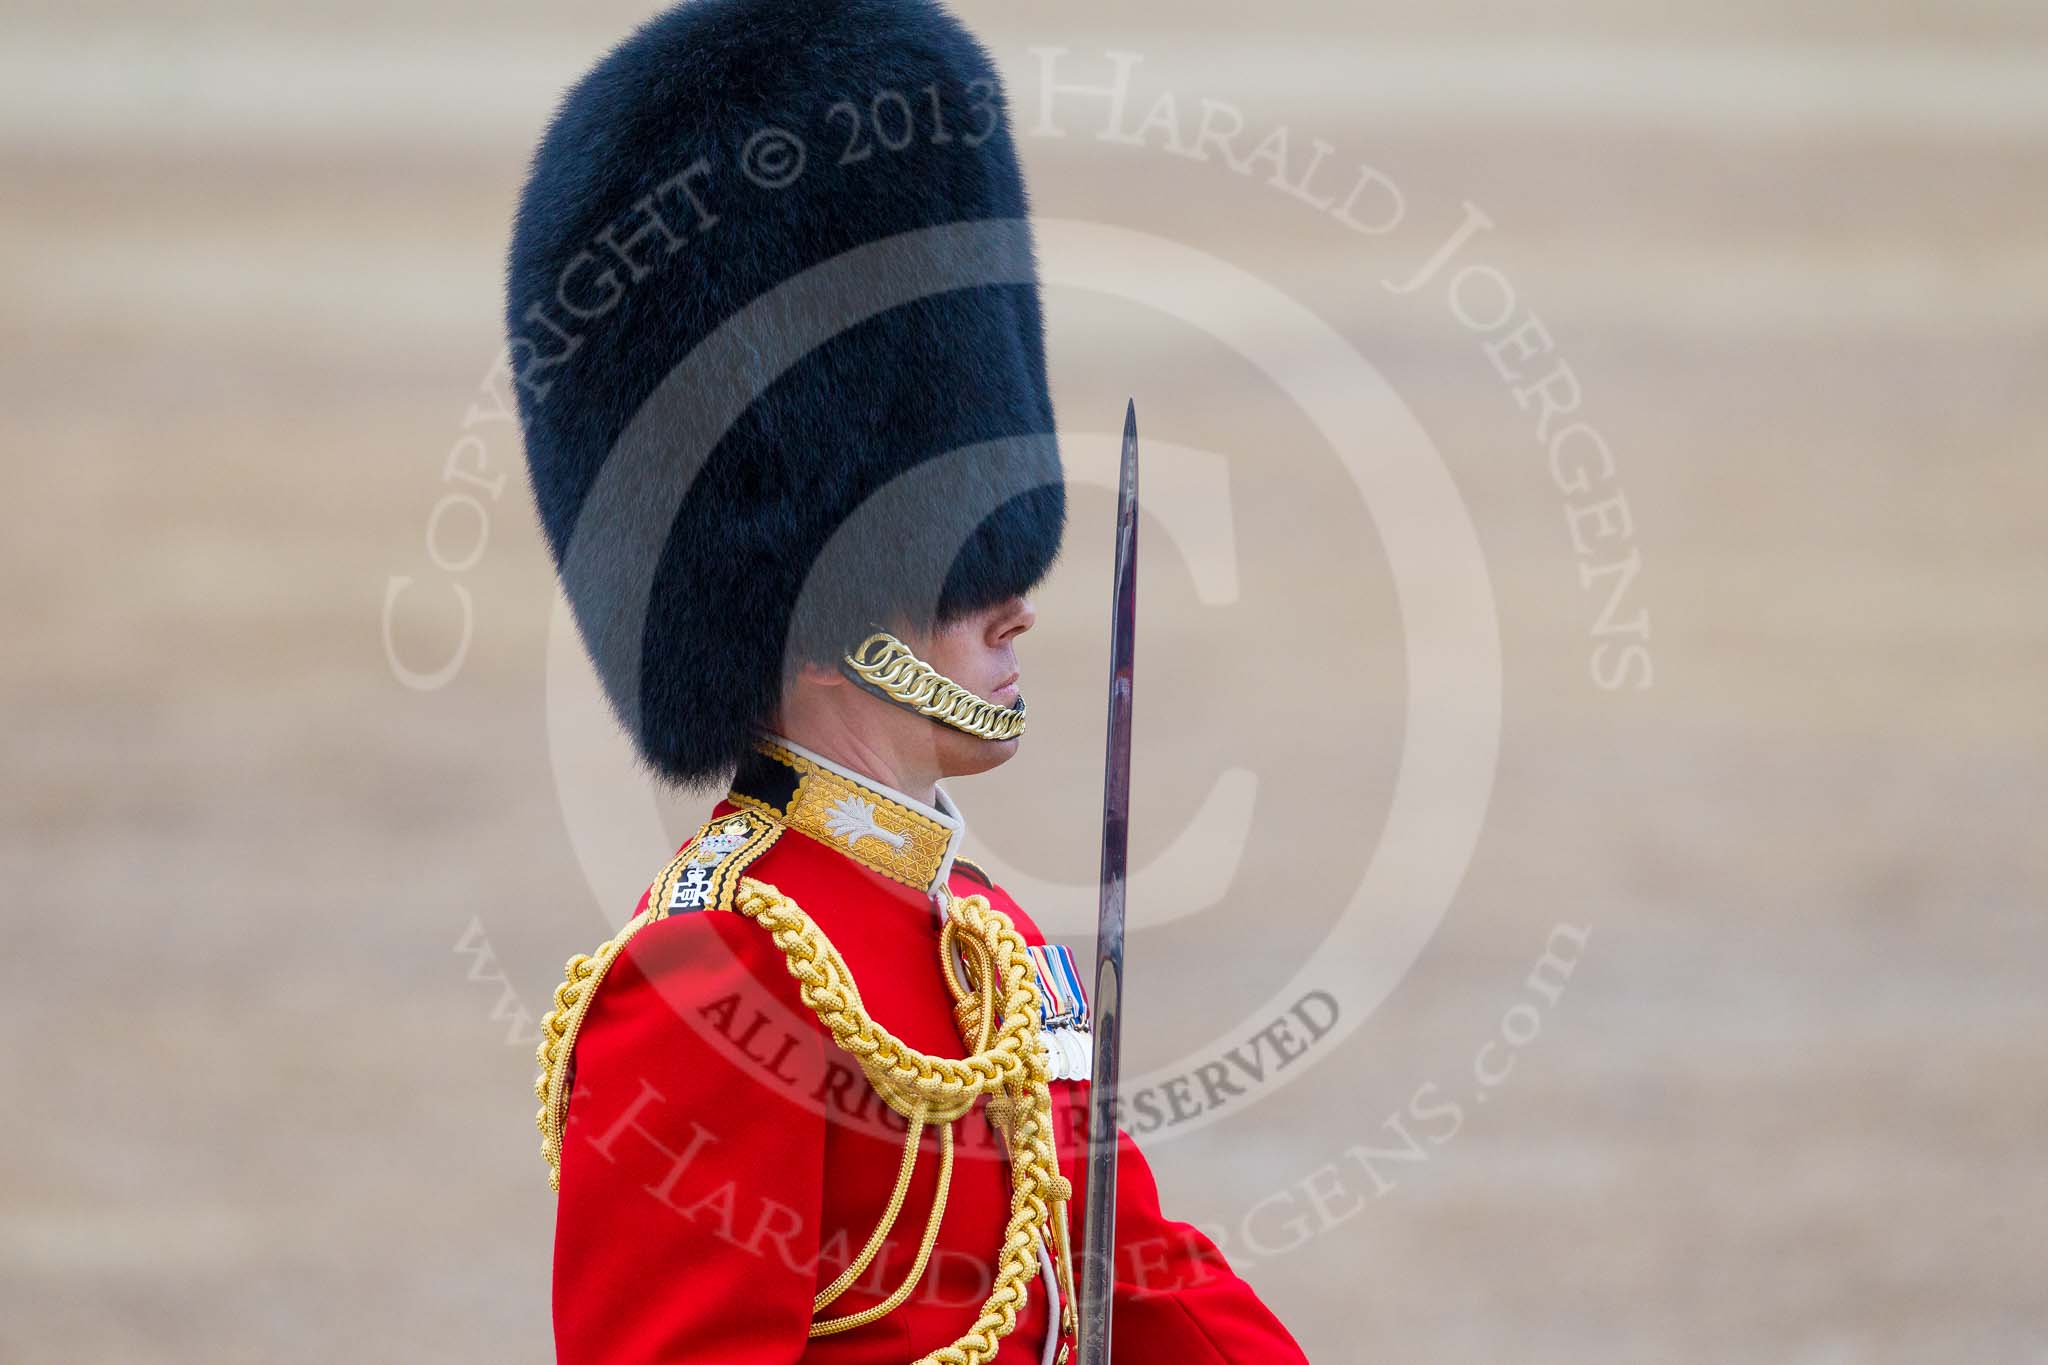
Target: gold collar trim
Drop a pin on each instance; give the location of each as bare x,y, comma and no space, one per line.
878,827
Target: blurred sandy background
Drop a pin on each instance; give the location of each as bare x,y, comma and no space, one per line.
268,1096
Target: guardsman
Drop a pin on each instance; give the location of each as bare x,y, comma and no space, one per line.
776,335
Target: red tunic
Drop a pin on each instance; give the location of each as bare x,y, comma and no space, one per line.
723,1160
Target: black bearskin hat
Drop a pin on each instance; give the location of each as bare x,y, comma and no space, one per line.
775,336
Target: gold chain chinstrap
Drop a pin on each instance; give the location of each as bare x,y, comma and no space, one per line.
887,665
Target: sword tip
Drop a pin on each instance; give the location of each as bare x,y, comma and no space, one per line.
1127,481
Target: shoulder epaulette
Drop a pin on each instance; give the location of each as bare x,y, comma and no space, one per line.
704,876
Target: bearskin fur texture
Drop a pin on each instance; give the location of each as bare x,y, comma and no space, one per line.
776,339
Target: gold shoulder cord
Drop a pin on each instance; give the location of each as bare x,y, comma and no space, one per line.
704,875
996,1008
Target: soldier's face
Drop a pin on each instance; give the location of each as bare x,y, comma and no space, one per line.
894,744
978,651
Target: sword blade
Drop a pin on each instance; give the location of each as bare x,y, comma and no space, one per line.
1098,1239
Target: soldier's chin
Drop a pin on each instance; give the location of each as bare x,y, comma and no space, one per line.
965,755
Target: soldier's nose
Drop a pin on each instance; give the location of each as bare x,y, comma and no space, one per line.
1018,618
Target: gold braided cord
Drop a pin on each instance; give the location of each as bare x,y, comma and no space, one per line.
886,664
975,1015
924,1251
979,953
558,1031
874,1244
998,1007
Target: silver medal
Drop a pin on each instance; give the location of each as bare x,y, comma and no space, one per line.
1080,1050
